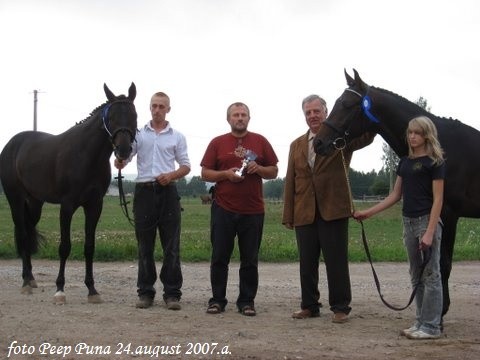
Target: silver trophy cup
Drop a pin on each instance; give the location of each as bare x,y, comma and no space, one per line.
249,156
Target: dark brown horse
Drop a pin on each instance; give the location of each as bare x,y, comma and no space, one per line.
363,108
71,169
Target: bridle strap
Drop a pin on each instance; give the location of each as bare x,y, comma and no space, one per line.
355,92
124,205
123,200
425,257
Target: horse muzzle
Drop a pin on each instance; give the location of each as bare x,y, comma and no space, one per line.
323,148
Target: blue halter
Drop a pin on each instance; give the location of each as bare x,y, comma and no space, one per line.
105,117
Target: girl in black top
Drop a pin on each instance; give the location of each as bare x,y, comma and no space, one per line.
420,180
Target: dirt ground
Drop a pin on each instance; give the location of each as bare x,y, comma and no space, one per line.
115,329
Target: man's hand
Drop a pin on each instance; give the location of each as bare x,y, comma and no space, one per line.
119,164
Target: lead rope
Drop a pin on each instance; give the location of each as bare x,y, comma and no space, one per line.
123,200
124,205
425,254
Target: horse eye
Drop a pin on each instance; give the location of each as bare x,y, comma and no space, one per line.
347,104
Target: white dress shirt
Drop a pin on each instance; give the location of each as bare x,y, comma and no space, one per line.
157,152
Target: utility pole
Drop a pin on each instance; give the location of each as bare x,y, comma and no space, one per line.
35,100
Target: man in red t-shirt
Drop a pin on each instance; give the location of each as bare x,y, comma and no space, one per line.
237,162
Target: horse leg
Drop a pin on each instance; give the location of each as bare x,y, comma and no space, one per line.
26,235
33,212
92,214
29,281
64,252
450,221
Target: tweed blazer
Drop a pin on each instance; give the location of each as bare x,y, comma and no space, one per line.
323,188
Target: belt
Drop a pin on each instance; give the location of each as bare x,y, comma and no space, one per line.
150,184
153,184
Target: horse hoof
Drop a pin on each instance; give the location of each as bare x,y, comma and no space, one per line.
95,299
33,284
60,298
27,290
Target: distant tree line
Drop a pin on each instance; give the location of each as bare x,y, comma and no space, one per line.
362,184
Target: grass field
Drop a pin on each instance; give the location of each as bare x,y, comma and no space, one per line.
116,238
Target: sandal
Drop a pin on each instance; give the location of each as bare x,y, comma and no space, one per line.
248,310
214,309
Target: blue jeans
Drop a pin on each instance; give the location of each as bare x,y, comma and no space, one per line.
429,298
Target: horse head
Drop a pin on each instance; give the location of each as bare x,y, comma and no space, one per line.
119,118
349,118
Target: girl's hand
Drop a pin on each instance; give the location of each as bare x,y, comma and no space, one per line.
360,215
425,242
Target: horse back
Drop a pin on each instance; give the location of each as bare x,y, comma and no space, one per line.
51,168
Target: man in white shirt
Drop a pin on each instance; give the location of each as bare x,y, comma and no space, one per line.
157,204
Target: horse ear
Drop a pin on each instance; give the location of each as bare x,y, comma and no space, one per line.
132,92
357,77
360,83
109,94
350,81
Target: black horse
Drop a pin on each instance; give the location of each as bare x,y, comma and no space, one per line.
362,108
71,169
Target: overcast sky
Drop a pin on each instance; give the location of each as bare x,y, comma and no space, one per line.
207,54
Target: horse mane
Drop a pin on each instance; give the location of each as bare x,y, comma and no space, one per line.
94,111
434,117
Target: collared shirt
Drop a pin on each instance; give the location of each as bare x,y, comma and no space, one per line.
311,151
158,152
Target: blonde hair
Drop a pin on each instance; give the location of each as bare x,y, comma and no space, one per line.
429,132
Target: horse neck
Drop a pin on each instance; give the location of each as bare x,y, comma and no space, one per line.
98,141
394,113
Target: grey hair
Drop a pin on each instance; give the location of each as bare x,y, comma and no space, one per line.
314,97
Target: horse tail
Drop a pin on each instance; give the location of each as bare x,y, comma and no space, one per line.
27,238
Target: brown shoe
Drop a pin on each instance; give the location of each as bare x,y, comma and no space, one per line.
305,314
339,318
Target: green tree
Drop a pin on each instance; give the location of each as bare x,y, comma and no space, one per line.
196,186
182,187
380,185
273,189
390,163
361,183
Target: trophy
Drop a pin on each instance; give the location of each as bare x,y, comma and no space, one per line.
249,156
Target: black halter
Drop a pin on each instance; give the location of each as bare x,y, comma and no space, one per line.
366,103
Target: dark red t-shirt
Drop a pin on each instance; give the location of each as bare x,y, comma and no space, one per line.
226,152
